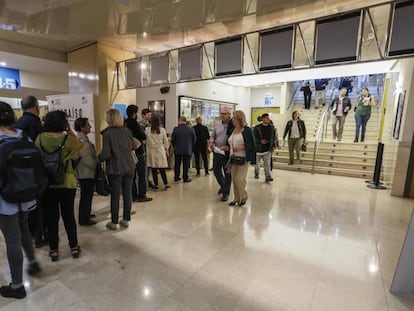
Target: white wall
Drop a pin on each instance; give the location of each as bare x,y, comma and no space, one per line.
171,106
43,81
405,83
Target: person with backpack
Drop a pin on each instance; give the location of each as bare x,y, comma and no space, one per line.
30,124
59,147
13,215
85,171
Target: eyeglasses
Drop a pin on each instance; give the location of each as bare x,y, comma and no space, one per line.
224,113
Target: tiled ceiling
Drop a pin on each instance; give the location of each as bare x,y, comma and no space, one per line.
151,26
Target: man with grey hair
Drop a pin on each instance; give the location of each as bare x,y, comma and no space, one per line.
182,139
221,149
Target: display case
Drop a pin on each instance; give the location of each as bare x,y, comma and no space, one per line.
208,110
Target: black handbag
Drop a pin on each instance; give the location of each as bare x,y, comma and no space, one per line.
304,147
237,160
102,186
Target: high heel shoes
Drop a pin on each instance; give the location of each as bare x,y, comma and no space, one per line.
242,202
75,251
232,203
54,255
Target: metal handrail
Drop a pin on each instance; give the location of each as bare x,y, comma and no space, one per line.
323,126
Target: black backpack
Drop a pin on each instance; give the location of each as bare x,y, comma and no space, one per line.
22,173
53,162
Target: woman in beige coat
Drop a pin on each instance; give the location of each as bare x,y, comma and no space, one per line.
157,146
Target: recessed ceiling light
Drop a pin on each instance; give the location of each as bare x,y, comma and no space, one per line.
3,64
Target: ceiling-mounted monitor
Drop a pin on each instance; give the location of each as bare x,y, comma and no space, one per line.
133,73
402,39
159,66
228,56
337,39
276,49
190,63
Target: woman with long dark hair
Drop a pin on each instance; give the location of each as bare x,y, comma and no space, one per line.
60,198
157,146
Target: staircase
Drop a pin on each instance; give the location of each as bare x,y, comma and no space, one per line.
343,158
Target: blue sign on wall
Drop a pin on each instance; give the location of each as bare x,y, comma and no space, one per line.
9,79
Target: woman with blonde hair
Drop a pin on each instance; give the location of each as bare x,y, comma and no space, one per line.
117,148
242,151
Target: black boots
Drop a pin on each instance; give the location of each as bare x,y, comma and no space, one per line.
362,138
356,139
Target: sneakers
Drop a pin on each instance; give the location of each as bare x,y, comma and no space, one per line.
34,268
167,186
124,223
8,292
110,225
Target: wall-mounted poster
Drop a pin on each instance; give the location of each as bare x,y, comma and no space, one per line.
75,106
157,108
398,116
257,112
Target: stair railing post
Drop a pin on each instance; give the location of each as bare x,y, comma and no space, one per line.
375,184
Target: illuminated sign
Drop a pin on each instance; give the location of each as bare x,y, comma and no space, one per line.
9,79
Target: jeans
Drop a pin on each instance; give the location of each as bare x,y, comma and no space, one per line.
16,234
87,186
155,175
294,144
185,159
361,120
267,158
338,133
222,176
197,161
121,183
60,200
140,178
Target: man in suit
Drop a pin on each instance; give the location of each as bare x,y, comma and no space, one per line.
183,138
200,147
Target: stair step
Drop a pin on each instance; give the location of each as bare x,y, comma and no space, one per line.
330,157
331,164
321,170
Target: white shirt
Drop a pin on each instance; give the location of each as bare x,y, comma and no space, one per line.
236,140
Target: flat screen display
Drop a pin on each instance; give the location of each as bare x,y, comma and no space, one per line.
276,49
133,73
159,69
228,57
402,39
190,64
337,39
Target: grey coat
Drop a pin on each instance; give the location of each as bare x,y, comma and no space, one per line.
88,160
116,150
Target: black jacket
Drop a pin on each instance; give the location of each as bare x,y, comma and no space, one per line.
30,124
137,133
301,126
259,136
346,105
202,135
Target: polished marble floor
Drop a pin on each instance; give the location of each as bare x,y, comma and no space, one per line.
304,242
